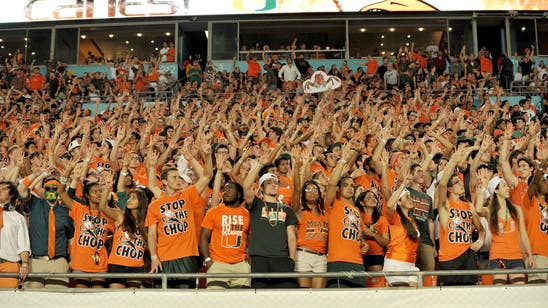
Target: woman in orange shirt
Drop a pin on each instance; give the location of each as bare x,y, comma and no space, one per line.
311,232
88,252
404,239
128,245
376,235
508,233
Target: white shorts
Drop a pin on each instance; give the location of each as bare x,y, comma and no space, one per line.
309,262
391,265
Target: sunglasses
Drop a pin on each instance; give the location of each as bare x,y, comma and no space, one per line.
311,190
51,188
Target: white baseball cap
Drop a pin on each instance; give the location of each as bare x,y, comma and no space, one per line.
267,176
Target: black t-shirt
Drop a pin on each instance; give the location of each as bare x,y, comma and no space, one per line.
269,221
422,212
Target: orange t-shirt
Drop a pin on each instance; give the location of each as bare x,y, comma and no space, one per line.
456,238
536,222
345,229
401,247
175,218
99,163
90,234
518,194
170,56
371,66
253,69
127,251
36,82
229,229
379,227
372,183
486,66
506,244
312,231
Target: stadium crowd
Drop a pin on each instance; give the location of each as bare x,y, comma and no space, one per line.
399,169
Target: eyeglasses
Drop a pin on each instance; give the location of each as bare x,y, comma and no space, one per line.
311,190
51,188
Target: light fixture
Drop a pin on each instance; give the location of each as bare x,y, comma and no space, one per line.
139,34
382,44
33,53
392,29
362,30
152,41
83,36
523,29
9,54
26,39
127,42
1,40
450,29
383,53
421,29
382,36
206,34
407,44
156,48
168,33
111,35
131,49
2,47
408,35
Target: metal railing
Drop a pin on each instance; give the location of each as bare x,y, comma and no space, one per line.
164,277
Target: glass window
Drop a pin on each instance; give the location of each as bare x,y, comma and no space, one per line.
224,43
385,37
460,34
66,41
542,34
38,46
319,39
112,43
522,34
12,46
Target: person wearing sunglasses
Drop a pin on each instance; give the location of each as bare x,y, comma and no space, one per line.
50,228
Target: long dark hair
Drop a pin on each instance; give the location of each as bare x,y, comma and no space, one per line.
360,202
494,209
319,202
407,224
132,224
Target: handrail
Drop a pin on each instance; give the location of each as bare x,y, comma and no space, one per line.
165,276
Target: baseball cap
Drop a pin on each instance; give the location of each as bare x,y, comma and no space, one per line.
267,176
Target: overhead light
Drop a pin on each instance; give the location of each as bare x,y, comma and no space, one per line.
382,44
407,44
168,33
421,29
523,29
156,48
392,29
83,36
139,34
26,38
384,52
9,54
1,40
362,30
2,47
450,29
408,35
152,41
25,45
111,35
206,34
33,53
127,42
382,36
131,49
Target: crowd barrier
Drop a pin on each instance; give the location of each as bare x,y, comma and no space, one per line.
165,276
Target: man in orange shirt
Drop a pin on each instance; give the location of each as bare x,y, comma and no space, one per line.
36,80
253,68
171,224
227,226
372,66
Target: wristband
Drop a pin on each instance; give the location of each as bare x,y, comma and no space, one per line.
26,182
154,257
207,260
343,160
63,180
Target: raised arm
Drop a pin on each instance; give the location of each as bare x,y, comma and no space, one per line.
112,213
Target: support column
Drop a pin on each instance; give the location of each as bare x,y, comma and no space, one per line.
475,35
